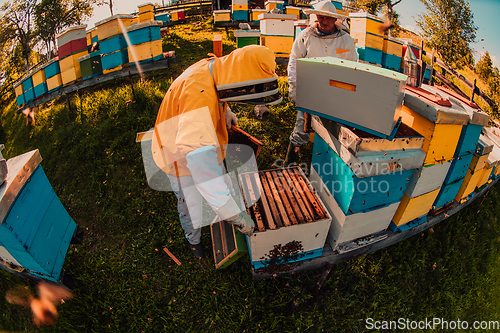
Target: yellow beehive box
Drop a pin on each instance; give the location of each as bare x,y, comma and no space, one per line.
54,82
291,10
113,25
70,76
254,14
410,209
146,7
270,5
368,40
393,46
280,45
472,178
19,89
486,173
71,61
148,16
441,139
223,15
145,51
38,77
240,7
365,22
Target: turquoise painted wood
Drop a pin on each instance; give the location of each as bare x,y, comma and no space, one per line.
52,69
113,44
369,54
20,100
468,139
353,194
145,61
27,83
296,257
144,35
241,15
163,17
448,193
458,168
29,95
40,89
37,229
391,61
95,39
409,225
115,59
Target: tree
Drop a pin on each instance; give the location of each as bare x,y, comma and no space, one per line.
484,67
448,26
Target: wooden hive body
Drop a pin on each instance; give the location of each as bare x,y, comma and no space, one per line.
144,32
90,65
70,68
254,14
112,26
355,94
276,24
35,228
71,34
52,68
290,10
247,37
222,15
270,5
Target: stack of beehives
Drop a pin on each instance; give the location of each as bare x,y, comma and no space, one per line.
239,10
146,12
365,28
112,42
72,44
277,32
145,42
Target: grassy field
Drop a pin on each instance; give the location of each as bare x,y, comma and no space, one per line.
124,282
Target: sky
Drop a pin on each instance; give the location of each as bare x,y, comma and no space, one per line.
486,18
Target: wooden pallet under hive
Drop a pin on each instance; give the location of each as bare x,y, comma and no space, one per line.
291,220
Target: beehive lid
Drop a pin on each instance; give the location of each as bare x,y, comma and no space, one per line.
176,11
366,15
143,25
266,16
91,29
114,17
76,27
220,11
395,40
247,33
293,7
301,22
146,4
20,169
274,1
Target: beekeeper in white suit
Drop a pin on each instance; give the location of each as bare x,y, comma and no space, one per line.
322,38
191,133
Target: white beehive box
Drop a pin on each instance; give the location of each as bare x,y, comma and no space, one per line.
71,34
277,24
359,95
427,179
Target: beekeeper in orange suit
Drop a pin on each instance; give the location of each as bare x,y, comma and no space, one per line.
191,133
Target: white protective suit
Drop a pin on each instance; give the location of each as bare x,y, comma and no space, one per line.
190,134
312,43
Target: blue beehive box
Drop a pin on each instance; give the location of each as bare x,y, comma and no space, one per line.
27,83
144,32
35,229
40,89
113,44
391,61
240,15
52,68
370,55
115,59
29,95
165,17
20,100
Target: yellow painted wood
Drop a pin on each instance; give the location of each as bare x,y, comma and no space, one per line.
270,5
145,50
440,139
222,17
468,185
112,28
410,209
368,40
148,7
277,44
497,170
485,177
54,81
366,24
148,16
293,11
38,77
174,16
106,71
240,7
71,61
70,76
255,14
392,46
19,90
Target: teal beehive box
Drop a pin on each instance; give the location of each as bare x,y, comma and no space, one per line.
35,229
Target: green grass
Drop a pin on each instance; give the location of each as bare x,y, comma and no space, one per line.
124,282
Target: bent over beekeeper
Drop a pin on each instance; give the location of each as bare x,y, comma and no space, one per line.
191,133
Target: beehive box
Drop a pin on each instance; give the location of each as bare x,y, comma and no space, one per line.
145,52
27,82
427,178
276,24
114,61
337,4
291,220
71,34
240,14
35,229
146,12
472,178
222,15
113,44
254,14
39,82
228,244
72,47
411,209
370,55
291,10
366,23
71,62
438,120
345,228
391,62
280,45
52,68
18,88
144,32
270,5
165,17
177,15
364,181
90,65
299,26
92,36
113,26
353,88
54,83
247,37
368,40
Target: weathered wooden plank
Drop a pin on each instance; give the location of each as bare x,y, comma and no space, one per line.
284,198
309,206
298,197
265,205
312,198
255,206
277,199
268,194
291,198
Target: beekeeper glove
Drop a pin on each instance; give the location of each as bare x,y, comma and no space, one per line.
243,222
292,93
230,118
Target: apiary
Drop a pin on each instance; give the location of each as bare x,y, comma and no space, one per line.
222,15
247,37
352,88
346,228
90,65
291,220
270,5
35,228
112,26
254,14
